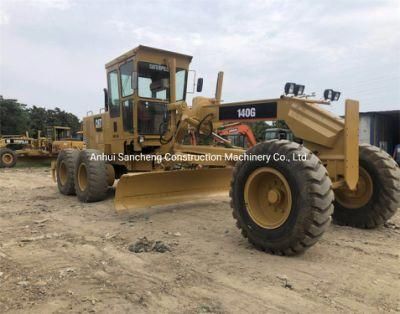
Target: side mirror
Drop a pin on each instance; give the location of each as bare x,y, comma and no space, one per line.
105,99
134,80
199,87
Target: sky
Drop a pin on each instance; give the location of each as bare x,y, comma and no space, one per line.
53,52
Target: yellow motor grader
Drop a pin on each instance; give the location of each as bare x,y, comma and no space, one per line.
8,146
282,193
56,139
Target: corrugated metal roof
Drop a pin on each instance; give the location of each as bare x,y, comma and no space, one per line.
387,112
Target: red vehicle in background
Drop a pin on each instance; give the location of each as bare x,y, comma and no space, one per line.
238,134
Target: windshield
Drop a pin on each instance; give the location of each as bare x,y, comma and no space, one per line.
270,135
153,81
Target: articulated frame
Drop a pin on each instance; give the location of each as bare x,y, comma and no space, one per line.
332,139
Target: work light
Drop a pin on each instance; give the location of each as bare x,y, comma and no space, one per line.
289,88
336,96
298,90
294,89
330,94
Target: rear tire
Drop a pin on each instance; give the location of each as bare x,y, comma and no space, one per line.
379,201
8,158
91,179
309,201
66,161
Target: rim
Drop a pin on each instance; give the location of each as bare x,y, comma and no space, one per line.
82,177
268,198
7,158
360,196
63,173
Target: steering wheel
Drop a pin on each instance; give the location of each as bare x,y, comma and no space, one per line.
164,141
206,124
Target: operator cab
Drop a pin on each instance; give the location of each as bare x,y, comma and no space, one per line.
58,133
140,86
278,133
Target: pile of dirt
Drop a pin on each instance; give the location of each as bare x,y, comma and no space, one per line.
146,245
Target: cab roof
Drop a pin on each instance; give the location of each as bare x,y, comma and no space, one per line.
144,49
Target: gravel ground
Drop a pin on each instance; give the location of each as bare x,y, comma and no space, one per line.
59,255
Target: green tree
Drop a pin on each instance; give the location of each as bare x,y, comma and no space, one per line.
73,122
13,117
58,117
52,117
281,124
41,118
37,120
258,129
16,118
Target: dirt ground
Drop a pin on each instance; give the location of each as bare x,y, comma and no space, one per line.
59,255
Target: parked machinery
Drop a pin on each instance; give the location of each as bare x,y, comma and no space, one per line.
57,138
282,205
238,134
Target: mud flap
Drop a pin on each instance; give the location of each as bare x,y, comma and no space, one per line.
139,190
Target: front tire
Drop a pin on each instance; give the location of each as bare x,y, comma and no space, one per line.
377,196
8,158
281,207
91,178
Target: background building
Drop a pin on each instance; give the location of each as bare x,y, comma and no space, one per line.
380,128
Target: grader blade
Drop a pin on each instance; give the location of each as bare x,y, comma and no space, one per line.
139,190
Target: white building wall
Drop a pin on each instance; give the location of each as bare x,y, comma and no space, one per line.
365,129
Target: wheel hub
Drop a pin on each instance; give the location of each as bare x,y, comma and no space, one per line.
82,177
268,198
63,173
7,158
274,196
360,196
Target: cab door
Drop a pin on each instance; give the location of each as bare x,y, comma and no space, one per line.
127,103
113,125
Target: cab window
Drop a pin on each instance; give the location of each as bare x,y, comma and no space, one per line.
153,81
127,115
180,81
126,79
152,116
113,94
